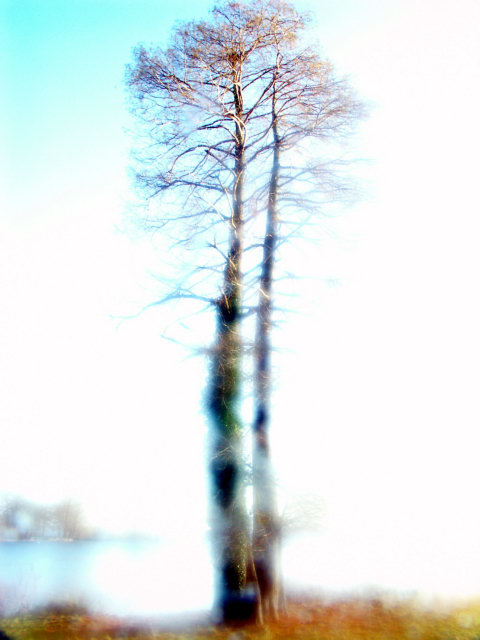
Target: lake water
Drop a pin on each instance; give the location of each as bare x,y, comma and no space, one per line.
127,578
149,578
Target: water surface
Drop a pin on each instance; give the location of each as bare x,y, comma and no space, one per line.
117,577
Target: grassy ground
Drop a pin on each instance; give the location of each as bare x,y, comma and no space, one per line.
343,620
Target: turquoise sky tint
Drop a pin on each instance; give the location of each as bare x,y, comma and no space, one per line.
66,97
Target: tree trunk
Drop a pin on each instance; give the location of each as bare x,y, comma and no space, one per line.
266,523
230,521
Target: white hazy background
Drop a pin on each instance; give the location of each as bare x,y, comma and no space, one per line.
376,407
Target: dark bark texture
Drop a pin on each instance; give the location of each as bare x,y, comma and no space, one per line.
229,521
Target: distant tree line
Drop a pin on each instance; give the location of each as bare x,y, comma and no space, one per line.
21,519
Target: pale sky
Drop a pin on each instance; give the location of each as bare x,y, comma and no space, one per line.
376,408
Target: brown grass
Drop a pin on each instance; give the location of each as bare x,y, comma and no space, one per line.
353,619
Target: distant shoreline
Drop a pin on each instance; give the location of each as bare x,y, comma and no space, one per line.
91,539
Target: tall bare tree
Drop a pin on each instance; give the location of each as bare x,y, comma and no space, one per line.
307,104
225,99
192,99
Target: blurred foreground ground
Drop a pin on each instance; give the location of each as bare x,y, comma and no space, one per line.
347,620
